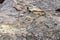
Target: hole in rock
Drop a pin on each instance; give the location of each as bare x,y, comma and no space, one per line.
57,10
1,1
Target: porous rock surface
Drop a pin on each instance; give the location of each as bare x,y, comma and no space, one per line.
17,22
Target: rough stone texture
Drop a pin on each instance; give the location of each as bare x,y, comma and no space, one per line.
17,22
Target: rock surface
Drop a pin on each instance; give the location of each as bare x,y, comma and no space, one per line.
19,22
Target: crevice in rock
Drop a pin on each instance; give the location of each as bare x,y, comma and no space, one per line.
1,1
57,10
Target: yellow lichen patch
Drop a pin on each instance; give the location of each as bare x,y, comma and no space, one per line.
36,10
39,13
6,26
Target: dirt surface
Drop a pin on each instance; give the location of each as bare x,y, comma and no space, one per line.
30,20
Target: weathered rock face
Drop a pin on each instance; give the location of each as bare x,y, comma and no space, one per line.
30,20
